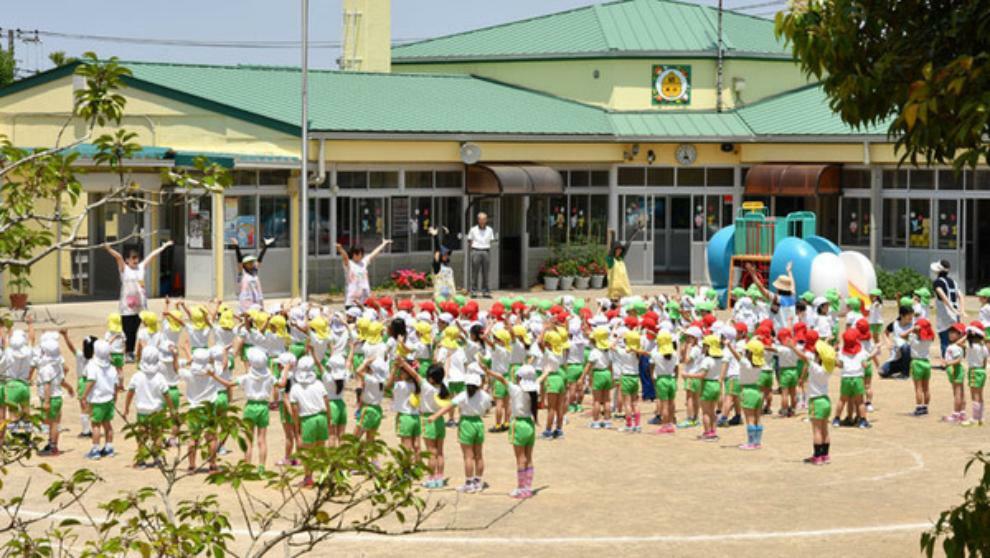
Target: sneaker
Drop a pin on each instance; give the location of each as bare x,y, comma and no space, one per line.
547,434
790,412
94,454
129,358
824,460
606,424
748,447
466,488
222,450
709,437
918,411
49,451
813,460
735,421
495,429
863,423
767,410
869,407
655,420
686,424
108,452
970,422
637,429
480,487
924,410
451,423
722,422
848,421
85,435
595,425
558,433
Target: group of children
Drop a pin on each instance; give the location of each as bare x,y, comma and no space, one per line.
438,360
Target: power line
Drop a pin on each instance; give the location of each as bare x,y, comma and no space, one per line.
759,5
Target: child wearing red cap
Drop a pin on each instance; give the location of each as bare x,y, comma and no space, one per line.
920,342
977,356
866,340
787,363
954,355
853,359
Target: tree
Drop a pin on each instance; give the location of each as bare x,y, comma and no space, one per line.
964,529
60,58
922,65
7,68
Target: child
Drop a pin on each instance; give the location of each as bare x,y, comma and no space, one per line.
148,390
711,372
853,360
787,362
525,408
574,366
691,357
334,377
374,372
876,314
819,406
554,347
82,357
103,382
310,407
201,391
259,390
284,364
434,397
921,367
977,355
625,361
405,388
51,383
869,347
18,361
750,366
473,403
598,367
501,351
954,371
730,402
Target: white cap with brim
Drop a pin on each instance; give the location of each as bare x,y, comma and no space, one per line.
937,267
249,259
526,376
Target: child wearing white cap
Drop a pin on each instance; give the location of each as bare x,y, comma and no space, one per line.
472,403
51,383
977,356
374,372
201,391
258,385
334,377
310,407
148,390
103,383
524,402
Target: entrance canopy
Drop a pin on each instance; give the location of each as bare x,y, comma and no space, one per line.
792,180
494,180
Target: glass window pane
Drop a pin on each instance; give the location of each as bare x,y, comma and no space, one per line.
450,179
922,179
383,179
713,215
273,177
320,226
245,178
894,223
856,222
557,219
948,224
400,228
311,230
599,178
635,215
680,213
419,179
978,180
950,180
895,179
536,220
920,224
370,222
598,216
720,177
199,231
662,176
345,231
420,221
274,216
577,221
352,180
240,221
451,215
855,179
698,218
632,176
690,177
580,178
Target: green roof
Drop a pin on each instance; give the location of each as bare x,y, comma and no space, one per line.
626,28
678,125
369,102
801,112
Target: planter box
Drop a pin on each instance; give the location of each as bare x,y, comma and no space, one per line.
551,283
581,283
566,283
597,281
18,301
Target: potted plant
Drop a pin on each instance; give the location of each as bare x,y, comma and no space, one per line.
598,273
18,282
583,278
568,271
551,277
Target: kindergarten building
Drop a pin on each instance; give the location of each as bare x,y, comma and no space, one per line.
613,117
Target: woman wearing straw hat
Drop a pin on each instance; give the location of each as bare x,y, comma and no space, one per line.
783,302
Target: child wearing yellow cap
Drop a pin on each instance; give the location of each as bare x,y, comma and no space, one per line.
501,351
599,367
818,368
665,360
750,364
114,336
554,345
712,372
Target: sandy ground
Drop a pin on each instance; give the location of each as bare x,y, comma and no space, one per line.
604,491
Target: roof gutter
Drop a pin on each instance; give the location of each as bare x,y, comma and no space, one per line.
595,138
606,54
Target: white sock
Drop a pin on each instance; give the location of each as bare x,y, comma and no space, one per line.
84,422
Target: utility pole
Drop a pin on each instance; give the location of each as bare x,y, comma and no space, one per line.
304,172
719,55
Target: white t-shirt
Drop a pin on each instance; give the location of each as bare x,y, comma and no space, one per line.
823,325
876,308
954,352
149,392
711,367
693,362
575,355
428,402
976,355
519,402
599,359
257,387
551,361
116,341
748,374
817,380
518,353
481,239
785,356
852,365
105,379
920,349
311,398
51,373
223,336
200,388
199,338
373,392
475,406
625,363
455,372
663,366
402,392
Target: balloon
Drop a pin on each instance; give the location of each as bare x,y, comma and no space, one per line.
827,272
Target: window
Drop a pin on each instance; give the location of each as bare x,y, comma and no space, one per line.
948,224
894,223
369,216
636,215
895,179
978,180
855,179
922,179
579,178
319,227
199,231
855,222
274,218
419,179
707,216
690,177
577,220
536,221
663,176
273,177
240,221
599,178
950,180
245,178
557,219
598,217
400,226
383,179
920,223
632,176
450,215
450,179
349,180
721,177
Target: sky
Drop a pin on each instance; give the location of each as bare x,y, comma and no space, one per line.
242,20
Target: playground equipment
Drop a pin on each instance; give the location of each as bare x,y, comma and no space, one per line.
770,243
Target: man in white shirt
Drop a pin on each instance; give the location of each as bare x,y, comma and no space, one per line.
480,239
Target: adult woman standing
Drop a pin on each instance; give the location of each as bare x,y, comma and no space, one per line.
249,291
133,297
948,302
444,287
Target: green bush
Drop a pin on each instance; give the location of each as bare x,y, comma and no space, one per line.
901,282
962,530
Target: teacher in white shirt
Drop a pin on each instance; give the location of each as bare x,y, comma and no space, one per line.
480,239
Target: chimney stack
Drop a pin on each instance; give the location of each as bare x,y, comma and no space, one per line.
367,37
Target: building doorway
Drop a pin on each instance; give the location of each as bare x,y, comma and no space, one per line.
976,244
511,221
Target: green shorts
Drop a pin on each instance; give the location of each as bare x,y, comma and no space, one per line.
868,370
788,377
766,380
666,387
977,377
256,413
371,417
222,402
692,385
3,400
471,431
555,382
424,366
81,384
102,412
455,387
244,350
174,395
117,360
819,408
358,360
921,369
852,387
407,426
314,428
751,397
297,350
875,329
284,412
955,373
17,393
512,371
601,380
145,418
338,412
523,432
434,429
499,390
711,390
54,408
629,384
572,372
732,387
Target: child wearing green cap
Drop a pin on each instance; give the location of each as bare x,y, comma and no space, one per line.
984,295
921,298
876,314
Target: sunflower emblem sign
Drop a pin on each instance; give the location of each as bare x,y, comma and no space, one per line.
671,85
